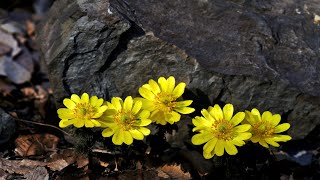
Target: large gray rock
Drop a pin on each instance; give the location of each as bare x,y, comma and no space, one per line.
229,52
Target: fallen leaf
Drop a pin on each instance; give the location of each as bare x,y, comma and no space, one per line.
36,144
173,172
30,28
9,40
39,173
13,71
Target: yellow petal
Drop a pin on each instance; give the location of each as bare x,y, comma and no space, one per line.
117,138
184,103
146,104
249,117
201,128
144,131
116,103
127,138
144,122
171,82
109,112
147,86
93,100
102,109
219,148
136,107
201,121
96,123
238,142
201,138
65,113
244,136
146,93
88,124
179,90
69,103
207,116
281,138
228,111
242,128
216,112
256,114
209,146
208,155
136,134
255,139
238,118
163,84
65,122
78,123
99,102
184,110
281,128
144,114
272,142
84,98
108,132
275,120
154,87
175,117
127,105
230,148
263,143
267,115
75,98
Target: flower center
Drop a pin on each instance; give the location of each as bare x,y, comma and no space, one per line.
124,119
263,129
223,129
165,102
84,111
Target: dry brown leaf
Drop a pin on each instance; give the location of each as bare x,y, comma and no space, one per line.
173,172
58,165
30,28
36,144
37,174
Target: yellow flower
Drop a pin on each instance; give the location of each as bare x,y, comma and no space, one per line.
81,111
265,128
125,121
220,131
161,100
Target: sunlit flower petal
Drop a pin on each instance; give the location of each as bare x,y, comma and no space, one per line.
126,122
265,128
75,98
69,104
220,131
216,112
161,100
228,111
82,111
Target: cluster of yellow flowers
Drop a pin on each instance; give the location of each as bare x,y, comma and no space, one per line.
220,130
127,120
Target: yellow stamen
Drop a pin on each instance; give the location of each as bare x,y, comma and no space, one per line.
124,119
222,129
165,102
